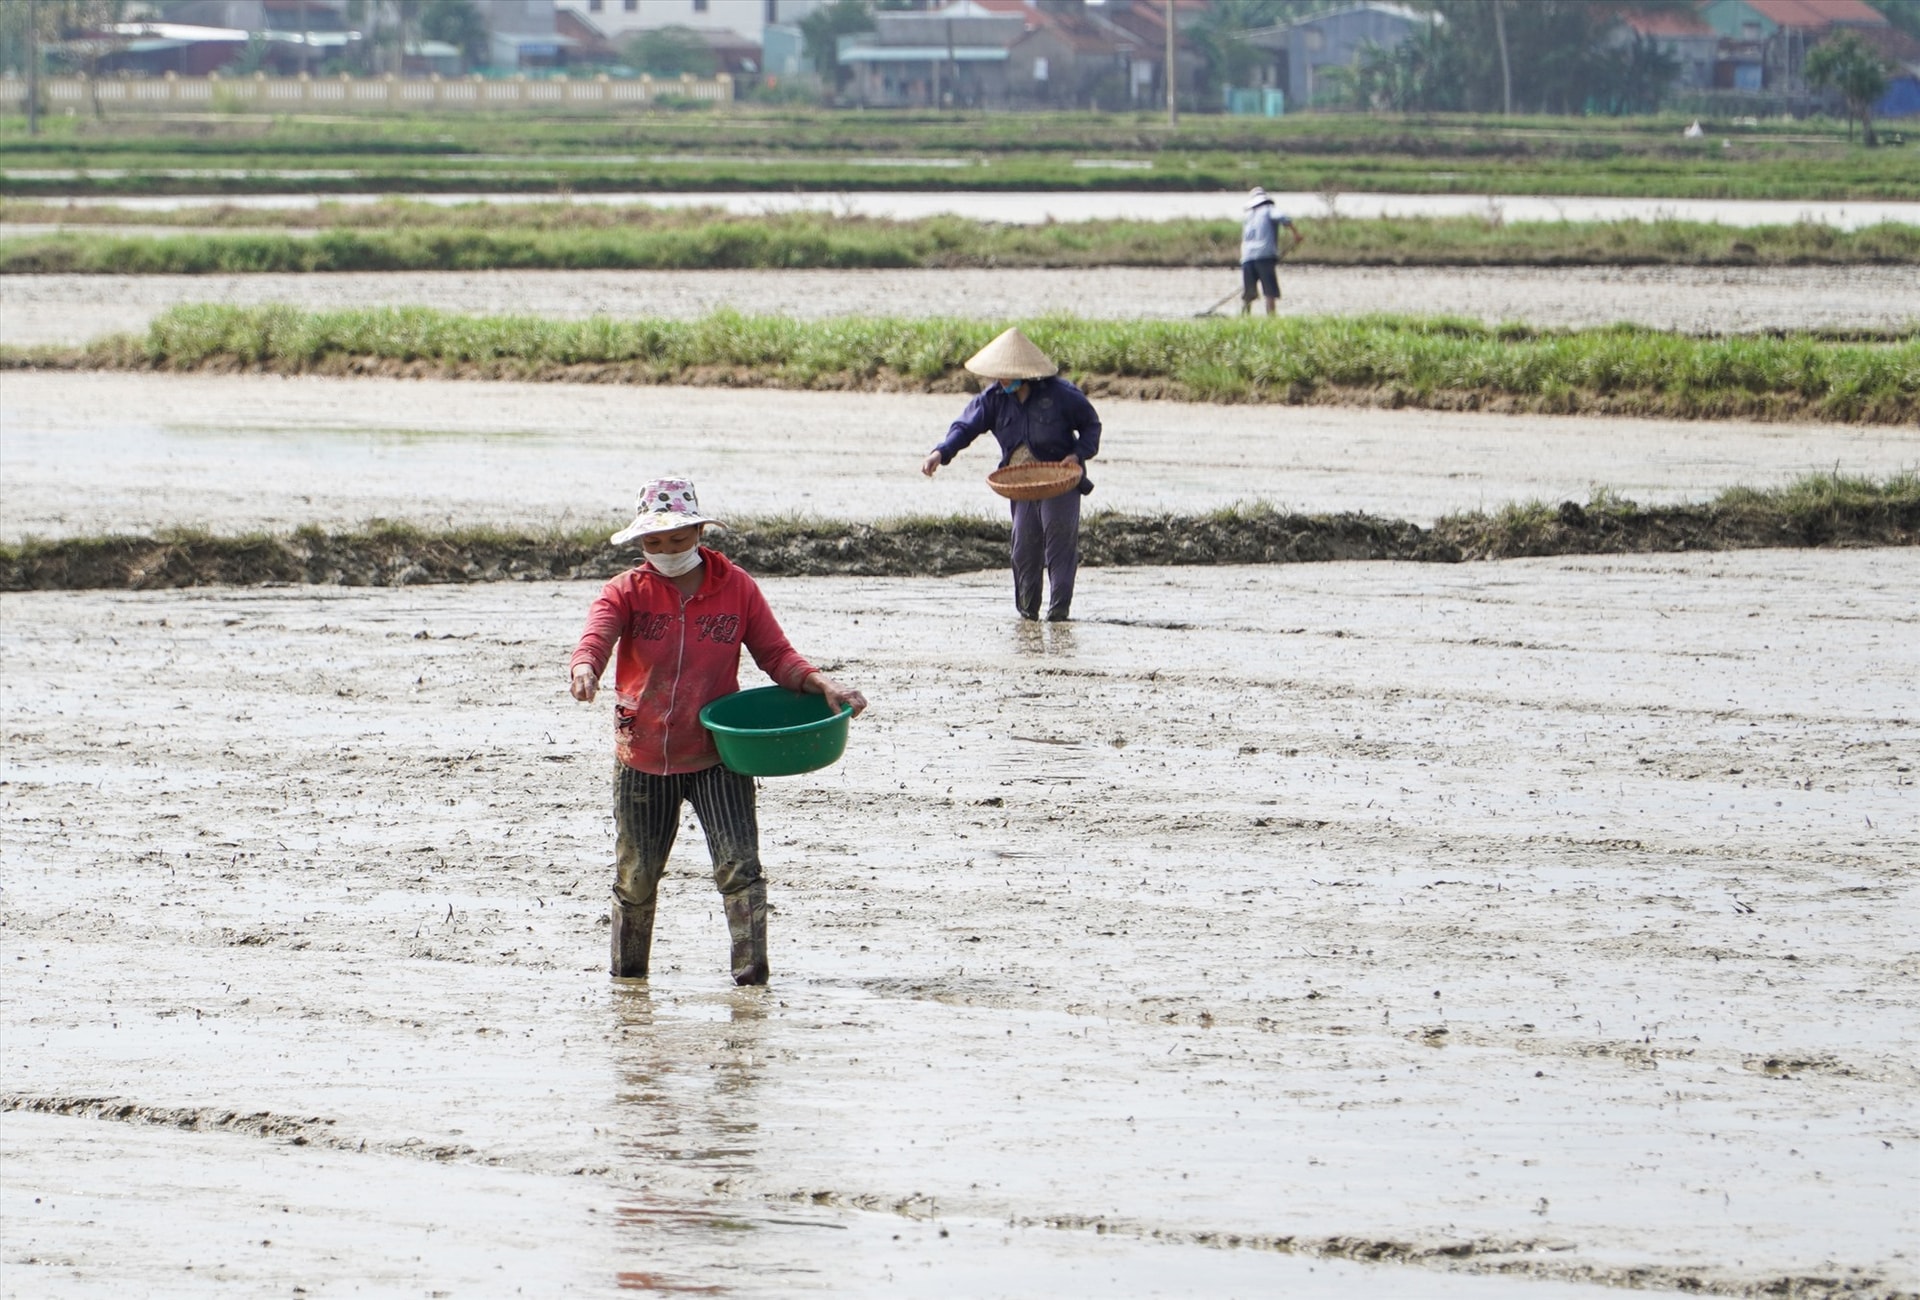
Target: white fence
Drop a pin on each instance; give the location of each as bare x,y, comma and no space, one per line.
273,94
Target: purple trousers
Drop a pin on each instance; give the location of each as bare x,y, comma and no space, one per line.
1046,538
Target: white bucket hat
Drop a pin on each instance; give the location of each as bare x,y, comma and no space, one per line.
1012,356
665,504
1258,197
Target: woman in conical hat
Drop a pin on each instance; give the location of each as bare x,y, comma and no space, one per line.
1034,415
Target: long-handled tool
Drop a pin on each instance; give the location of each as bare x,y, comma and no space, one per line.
1218,305
1237,292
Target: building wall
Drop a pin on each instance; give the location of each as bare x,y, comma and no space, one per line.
1696,55
913,84
1041,70
247,15
1334,42
748,18
1737,20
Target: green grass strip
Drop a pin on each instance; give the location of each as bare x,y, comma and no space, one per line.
584,238
1400,361
751,147
1820,511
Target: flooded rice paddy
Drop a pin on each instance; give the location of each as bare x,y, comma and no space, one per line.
72,309
1478,931
91,453
1547,918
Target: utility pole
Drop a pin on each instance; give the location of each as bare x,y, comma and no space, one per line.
1506,71
1173,75
33,73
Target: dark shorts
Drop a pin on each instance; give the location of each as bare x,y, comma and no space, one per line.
1259,276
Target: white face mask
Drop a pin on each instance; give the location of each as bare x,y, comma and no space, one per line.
675,564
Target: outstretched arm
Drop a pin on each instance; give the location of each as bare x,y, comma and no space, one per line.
604,621
973,422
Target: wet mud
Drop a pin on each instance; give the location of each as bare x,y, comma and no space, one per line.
74,309
401,556
98,454
1321,929
128,354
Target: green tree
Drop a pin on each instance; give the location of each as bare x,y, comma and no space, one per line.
1547,56
1218,36
1403,79
670,51
821,30
1849,65
459,23
80,26
1904,14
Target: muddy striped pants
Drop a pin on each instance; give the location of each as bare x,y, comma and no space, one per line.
646,817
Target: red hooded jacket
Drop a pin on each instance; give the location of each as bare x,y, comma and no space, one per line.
677,654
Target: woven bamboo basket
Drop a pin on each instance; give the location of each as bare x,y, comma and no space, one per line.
1035,481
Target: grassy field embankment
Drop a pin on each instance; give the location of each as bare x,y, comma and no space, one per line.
1440,363
749,147
475,237
1823,510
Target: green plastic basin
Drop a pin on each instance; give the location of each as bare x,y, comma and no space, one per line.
773,731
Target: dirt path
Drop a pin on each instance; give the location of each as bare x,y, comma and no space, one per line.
75,308
92,453
1545,916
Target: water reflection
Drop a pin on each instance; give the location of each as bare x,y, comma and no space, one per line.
683,1104
1038,638
687,1079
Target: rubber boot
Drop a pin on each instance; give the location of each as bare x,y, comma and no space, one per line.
632,940
747,925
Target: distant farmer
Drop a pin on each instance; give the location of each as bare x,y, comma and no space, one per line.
1260,250
680,620
1034,415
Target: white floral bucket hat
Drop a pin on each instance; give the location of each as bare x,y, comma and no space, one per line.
665,504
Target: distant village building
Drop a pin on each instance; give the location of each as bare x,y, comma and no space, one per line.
525,34
1300,54
957,55
1000,54
1764,43
195,37
736,31
1684,38
746,19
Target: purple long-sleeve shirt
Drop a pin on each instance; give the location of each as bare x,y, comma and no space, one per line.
1056,421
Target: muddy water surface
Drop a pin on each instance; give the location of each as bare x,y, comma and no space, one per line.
1546,917
92,453
72,309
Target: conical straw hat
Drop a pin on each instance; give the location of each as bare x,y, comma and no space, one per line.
1011,356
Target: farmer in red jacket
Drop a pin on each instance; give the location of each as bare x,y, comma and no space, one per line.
679,621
